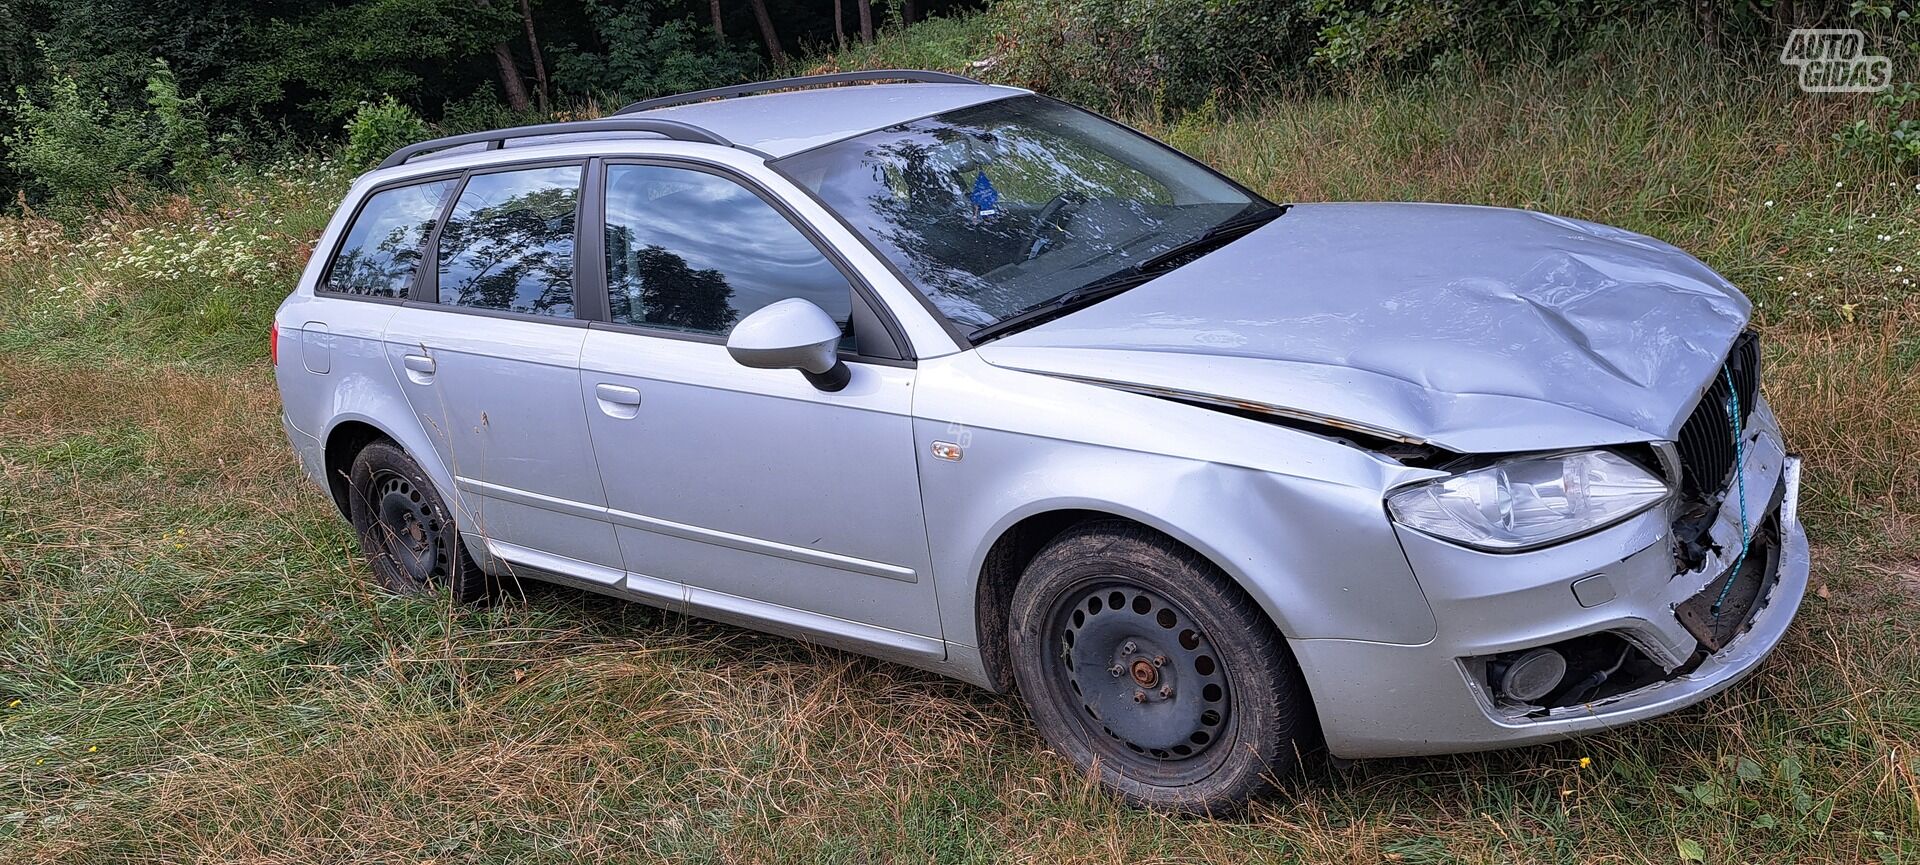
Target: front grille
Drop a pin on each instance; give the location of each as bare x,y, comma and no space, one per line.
1706,442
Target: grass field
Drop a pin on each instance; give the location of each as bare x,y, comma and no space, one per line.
194,666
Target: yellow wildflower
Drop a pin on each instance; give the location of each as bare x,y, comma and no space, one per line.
1585,762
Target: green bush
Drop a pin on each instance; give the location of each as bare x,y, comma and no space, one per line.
74,149
482,110
1891,132
952,44
1171,54
644,58
379,128
181,133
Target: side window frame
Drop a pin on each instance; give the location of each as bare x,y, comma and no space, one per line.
877,336
321,286
425,290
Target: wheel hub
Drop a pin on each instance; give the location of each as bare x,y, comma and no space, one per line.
1142,671
409,532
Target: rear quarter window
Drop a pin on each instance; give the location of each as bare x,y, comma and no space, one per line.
384,244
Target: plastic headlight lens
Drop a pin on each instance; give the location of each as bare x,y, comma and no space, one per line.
1528,502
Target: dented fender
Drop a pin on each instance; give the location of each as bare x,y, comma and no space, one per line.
1294,518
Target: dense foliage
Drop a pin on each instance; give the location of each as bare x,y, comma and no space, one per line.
250,78
113,95
1175,55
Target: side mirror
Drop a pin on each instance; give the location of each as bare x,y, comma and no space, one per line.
792,334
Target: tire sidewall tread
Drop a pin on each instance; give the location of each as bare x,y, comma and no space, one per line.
466,584
1272,716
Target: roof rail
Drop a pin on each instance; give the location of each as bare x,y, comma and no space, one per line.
915,75
498,138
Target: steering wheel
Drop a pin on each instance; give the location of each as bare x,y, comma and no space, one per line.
1047,227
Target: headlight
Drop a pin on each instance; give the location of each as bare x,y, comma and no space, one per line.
1530,501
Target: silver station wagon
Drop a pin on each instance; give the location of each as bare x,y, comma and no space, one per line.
964,377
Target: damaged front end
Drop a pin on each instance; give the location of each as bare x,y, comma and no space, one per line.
1725,547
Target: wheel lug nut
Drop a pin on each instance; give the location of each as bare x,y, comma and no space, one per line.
1167,692
1129,647
1116,670
1139,696
1159,660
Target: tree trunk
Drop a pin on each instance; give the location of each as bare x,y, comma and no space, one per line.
510,78
510,82
866,21
909,10
767,33
839,24
719,31
533,48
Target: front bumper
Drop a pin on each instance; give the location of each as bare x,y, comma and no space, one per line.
1386,700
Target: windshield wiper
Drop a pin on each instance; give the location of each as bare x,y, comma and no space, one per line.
1216,236
1108,286
1086,295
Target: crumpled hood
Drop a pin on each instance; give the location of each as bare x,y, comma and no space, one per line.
1477,329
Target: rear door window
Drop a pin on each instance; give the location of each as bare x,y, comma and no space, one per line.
384,243
508,244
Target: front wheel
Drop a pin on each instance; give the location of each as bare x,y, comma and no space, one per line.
1144,664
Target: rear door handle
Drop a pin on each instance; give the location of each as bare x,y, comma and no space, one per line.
419,368
617,400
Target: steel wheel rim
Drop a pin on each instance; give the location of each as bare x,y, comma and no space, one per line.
408,533
1141,677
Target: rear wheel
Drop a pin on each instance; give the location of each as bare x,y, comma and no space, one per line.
406,531
1144,664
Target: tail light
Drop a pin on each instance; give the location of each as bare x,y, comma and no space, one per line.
273,343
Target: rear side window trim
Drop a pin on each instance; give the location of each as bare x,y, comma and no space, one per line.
591,307
322,286
425,291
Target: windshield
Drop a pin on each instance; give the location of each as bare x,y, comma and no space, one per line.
994,209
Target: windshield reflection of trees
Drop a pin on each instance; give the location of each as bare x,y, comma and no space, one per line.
655,287
920,192
515,255
928,217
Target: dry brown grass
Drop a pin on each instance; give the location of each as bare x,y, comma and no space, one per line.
263,705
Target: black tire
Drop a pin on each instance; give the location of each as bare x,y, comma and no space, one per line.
1207,710
406,530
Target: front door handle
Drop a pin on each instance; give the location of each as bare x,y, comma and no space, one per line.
617,400
419,368
617,394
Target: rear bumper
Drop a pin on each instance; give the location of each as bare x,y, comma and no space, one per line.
313,461
1386,700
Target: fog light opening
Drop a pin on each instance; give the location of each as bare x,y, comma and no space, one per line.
1571,672
1532,676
